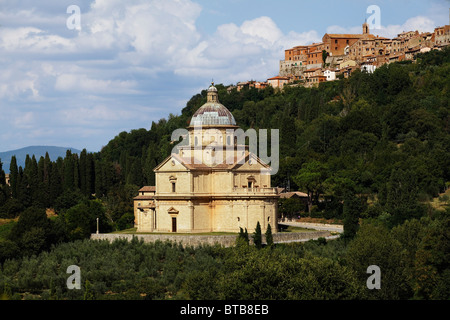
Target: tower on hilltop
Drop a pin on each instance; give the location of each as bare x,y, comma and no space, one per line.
365,27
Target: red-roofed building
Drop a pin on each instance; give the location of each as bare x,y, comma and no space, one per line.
278,81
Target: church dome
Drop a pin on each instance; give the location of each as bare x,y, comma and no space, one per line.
212,112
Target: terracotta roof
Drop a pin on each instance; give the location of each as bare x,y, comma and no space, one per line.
229,163
147,189
278,77
311,70
343,35
293,194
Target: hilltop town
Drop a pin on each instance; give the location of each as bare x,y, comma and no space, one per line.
338,55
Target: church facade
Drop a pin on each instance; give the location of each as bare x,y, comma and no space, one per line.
211,183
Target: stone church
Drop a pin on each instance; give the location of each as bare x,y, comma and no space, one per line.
210,183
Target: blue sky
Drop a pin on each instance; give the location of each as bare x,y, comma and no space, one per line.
133,62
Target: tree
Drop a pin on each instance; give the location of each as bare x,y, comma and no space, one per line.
402,196
374,245
242,238
311,177
69,168
352,211
83,167
2,174
432,263
257,238
8,250
81,219
290,207
13,176
269,237
324,56
31,232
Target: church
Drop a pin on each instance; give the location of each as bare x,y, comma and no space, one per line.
210,183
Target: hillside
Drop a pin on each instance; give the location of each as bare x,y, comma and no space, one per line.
371,150
37,151
379,143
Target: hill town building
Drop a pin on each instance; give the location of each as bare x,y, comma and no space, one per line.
365,51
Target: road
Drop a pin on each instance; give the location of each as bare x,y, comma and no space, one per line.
316,226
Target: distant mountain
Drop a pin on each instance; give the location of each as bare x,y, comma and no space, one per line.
37,151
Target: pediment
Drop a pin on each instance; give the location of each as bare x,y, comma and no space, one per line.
172,210
171,163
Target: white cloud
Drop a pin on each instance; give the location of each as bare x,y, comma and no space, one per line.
32,40
236,53
81,82
113,73
343,30
419,23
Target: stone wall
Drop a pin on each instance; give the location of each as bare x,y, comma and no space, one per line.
196,240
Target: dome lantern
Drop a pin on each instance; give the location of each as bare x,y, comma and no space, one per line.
212,113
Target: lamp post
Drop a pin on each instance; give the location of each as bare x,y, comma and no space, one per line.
97,225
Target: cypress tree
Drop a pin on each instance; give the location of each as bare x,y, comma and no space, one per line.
2,174
269,237
33,180
13,176
98,179
135,173
257,238
68,171
23,190
83,172
351,212
76,171
90,174
47,168
55,187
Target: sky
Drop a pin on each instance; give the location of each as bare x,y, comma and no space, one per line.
77,73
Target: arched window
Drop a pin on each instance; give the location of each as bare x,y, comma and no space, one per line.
196,141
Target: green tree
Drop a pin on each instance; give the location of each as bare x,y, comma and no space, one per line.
2,174
352,211
13,176
31,233
242,238
81,219
311,177
257,237
402,196
8,250
69,168
374,245
432,261
324,56
83,169
269,237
